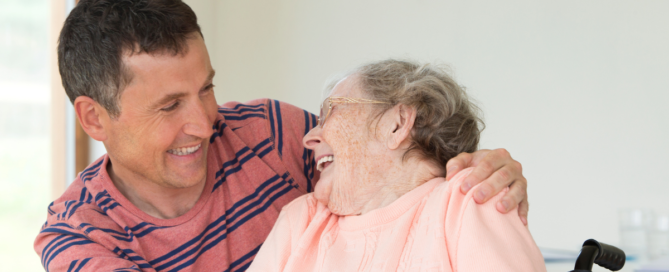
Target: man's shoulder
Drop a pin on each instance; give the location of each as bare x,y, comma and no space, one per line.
79,220
85,199
85,212
73,214
86,187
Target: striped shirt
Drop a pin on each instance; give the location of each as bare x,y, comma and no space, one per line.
256,164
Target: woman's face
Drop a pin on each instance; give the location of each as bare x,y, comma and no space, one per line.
347,153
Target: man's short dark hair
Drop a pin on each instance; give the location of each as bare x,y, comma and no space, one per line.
97,33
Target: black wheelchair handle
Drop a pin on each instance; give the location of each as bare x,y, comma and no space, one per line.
607,256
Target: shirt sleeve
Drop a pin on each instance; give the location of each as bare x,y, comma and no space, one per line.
62,247
288,125
485,239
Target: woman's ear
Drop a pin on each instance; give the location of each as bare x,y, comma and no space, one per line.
89,114
402,121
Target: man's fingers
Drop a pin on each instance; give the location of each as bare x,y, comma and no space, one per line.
523,210
499,180
516,195
485,167
478,174
494,170
454,165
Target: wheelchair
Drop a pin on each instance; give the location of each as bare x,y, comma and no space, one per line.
593,252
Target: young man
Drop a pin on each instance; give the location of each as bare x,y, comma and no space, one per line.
187,185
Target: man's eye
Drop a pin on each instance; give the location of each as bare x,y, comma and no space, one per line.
208,88
171,107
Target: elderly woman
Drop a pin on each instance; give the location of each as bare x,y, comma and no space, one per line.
382,204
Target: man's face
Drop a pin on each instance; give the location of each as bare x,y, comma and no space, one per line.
167,114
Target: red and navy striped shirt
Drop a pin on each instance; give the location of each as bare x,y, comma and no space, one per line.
256,164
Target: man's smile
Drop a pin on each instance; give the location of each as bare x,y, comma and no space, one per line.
182,151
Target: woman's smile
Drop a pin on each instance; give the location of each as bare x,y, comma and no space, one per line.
324,161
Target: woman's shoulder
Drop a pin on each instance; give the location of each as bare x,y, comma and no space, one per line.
445,189
449,196
302,205
467,225
456,181
303,209
451,205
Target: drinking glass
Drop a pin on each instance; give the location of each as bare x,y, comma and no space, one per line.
634,226
658,236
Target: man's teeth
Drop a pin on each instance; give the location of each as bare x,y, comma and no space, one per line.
184,150
322,161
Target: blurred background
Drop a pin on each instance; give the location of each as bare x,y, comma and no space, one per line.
577,91
25,145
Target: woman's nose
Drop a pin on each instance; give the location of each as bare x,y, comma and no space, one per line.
313,138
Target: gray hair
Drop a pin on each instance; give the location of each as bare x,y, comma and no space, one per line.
447,122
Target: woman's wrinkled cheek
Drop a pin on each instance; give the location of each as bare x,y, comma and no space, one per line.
346,134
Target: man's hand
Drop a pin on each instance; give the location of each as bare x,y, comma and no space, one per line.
496,170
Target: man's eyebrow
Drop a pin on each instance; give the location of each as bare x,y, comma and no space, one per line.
168,98
173,96
210,77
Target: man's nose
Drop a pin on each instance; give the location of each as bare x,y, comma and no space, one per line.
198,122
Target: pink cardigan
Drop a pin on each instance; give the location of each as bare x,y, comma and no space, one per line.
431,228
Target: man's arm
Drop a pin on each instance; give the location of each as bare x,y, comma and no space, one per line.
495,170
289,125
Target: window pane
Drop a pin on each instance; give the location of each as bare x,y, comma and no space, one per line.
24,130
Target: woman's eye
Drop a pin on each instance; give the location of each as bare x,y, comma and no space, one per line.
171,107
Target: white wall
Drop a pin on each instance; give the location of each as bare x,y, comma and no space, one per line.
575,90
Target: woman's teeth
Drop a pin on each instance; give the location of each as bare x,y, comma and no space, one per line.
184,150
322,161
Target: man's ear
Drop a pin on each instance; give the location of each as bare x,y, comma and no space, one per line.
403,118
89,113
